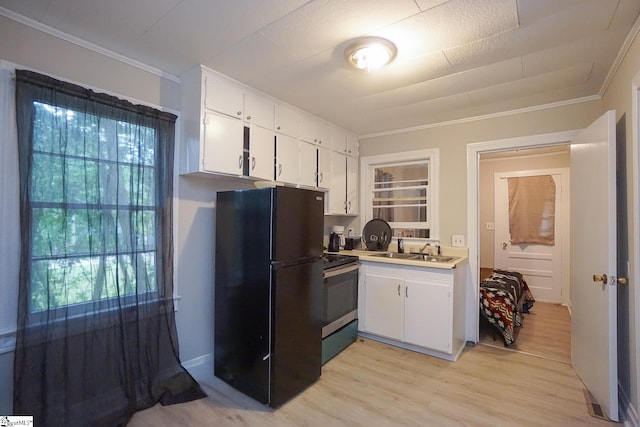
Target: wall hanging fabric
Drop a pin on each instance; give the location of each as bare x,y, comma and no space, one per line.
532,205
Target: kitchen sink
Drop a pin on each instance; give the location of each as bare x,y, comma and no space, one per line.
435,258
394,255
417,257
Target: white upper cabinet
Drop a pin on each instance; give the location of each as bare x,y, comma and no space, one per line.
231,129
352,186
315,131
222,144
261,153
286,167
324,168
259,111
223,97
352,145
344,142
287,121
307,164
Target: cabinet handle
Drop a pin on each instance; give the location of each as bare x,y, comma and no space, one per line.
398,290
349,205
321,176
278,128
279,169
253,163
406,292
239,113
249,117
240,161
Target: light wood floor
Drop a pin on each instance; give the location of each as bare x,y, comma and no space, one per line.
546,332
373,384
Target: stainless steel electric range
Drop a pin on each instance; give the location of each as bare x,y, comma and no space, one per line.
340,310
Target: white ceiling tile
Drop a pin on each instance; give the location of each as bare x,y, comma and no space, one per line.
429,4
558,79
322,25
456,58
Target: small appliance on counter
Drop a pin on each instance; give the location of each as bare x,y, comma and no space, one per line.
377,235
351,243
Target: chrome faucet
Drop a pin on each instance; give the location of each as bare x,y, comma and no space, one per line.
428,244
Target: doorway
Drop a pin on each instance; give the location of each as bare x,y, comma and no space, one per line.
546,329
496,149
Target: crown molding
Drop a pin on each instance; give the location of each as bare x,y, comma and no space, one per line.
85,44
486,116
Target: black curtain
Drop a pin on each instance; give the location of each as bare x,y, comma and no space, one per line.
96,336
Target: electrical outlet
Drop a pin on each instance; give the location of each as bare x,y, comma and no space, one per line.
457,240
491,226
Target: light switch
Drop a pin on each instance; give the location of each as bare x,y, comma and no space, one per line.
457,240
491,226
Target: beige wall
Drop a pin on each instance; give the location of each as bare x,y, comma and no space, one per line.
452,142
519,161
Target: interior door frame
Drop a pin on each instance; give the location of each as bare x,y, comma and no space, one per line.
473,208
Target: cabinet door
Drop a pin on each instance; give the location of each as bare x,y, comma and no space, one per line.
308,164
261,152
223,96
258,111
352,145
324,168
427,315
286,159
339,141
338,187
287,121
352,185
384,300
222,144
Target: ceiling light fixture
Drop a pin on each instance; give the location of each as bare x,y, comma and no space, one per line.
370,53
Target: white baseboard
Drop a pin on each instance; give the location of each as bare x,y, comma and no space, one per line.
200,367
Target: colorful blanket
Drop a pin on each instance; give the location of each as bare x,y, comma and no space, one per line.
504,296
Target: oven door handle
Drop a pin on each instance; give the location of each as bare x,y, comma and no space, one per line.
339,271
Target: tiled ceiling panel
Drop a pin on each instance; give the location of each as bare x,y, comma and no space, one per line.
456,58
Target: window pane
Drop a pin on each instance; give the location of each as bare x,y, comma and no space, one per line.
64,282
401,214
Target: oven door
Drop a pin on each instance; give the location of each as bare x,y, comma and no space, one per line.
340,297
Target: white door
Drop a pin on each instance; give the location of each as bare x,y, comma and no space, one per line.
593,252
261,154
541,265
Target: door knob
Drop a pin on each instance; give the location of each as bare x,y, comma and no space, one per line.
621,280
504,245
600,278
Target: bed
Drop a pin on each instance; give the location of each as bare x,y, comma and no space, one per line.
504,296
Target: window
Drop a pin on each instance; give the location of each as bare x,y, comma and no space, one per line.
402,189
95,204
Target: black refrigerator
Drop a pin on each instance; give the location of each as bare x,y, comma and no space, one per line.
268,291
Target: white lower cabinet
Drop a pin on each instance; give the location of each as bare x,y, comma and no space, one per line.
385,305
413,307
